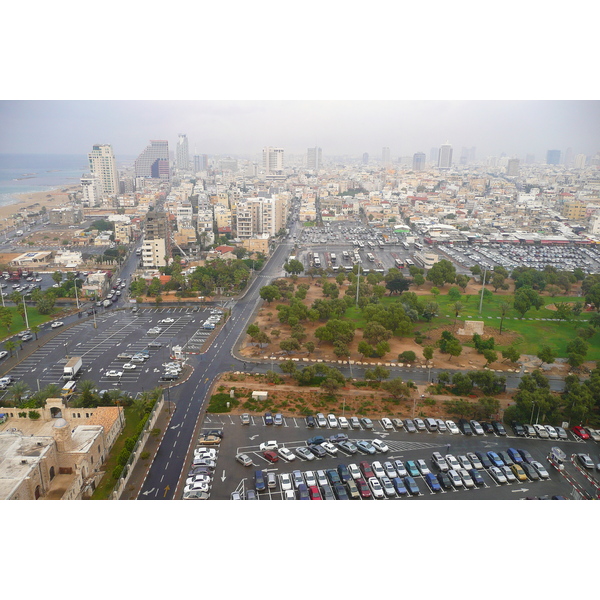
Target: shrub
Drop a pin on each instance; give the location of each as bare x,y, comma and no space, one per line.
34,414
145,455
407,356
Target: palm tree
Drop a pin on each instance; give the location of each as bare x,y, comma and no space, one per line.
457,307
503,307
35,329
10,346
17,391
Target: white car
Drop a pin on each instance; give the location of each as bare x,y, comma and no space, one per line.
197,479
332,420
465,463
551,432
286,454
289,495
440,462
286,481
138,358
376,488
422,466
390,472
270,445
354,471
167,320
244,459
310,478
57,324
386,423
322,478
343,422
498,475
129,366
196,487
541,431
594,433
452,427
3,353
329,448
508,473
113,373
378,469
379,446
205,452
474,460
452,462
539,467
457,482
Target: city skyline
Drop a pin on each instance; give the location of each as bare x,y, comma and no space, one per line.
512,128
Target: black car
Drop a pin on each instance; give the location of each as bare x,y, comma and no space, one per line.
487,427
411,486
465,427
476,477
318,451
268,418
217,432
485,461
518,429
340,491
310,421
318,439
444,481
498,428
505,456
343,473
530,471
526,456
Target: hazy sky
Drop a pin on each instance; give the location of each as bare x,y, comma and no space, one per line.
338,127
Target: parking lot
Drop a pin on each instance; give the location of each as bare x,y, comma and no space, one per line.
229,476
112,344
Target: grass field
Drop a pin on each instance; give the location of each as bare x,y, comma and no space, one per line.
533,332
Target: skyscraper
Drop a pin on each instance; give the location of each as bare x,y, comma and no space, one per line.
313,159
386,157
445,156
200,162
579,162
418,161
553,157
512,167
183,156
365,158
103,166
273,161
154,161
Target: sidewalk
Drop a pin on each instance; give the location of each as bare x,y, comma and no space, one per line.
138,475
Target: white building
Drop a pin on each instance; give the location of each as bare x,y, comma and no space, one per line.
104,166
445,156
154,253
273,161
92,189
183,155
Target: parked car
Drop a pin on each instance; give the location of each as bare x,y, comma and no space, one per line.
518,472
347,447
376,488
433,482
515,455
271,456
529,430
455,478
541,431
485,461
476,477
268,418
305,453
286,454
539,467
474,460
365,447
580,432
399,486
476,427
411,485
409,426
518,429
495,459
530,471
585,461
363,489
497,474
452,427
379,445
366,423
366,469
400,468
551,432
440,462
270,445
465,427
386,423
498,428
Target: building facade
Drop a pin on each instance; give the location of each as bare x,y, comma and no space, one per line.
153,162
103,165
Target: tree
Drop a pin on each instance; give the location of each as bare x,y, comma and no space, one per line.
397,388
10,345
336,330
365,349
453,348
454,294
294,267
408,356
269,293
511,354
290,345
546,355
374,333
57,277
6,318
288,367
490,356
442,272
503,308
462,384
382,348
418,280
310,347
379,373
462,281
17,391
428,352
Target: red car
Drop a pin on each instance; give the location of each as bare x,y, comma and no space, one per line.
363,489
365,467
271,456
580,432
314,493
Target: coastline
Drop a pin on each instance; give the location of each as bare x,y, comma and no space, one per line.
34,201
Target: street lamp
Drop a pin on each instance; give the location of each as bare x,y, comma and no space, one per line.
25,309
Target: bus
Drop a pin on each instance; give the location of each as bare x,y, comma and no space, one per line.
370,257
405,245
409,263
316,260
418,246
332,257
399,263
345,255
68,389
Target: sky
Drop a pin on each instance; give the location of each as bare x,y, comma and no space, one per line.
339,127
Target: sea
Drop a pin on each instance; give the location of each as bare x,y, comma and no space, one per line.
27,173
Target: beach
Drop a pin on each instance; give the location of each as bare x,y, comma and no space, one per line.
33,201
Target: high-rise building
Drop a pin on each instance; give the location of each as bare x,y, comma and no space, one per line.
183,156
365,158
445,156
579,161
553,157
273,161
386,157
200,162
156,249
92,189
512,167
433,155
313,159
154,161
418,161
104,166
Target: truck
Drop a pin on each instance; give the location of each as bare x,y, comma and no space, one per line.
72,367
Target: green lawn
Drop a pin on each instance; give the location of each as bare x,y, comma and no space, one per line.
533,333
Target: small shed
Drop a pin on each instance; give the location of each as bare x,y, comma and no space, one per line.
259,395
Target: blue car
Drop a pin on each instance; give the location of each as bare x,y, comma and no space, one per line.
344,473
399,486
365,447
303,492
432,482
411,485
495,459
515,455
476,477
259,481
313,441
333,476
411,467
